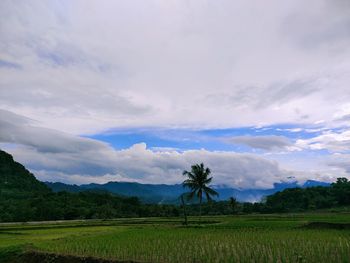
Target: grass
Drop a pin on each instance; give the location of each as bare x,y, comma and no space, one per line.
256,238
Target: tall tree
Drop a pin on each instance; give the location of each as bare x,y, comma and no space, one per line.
198,181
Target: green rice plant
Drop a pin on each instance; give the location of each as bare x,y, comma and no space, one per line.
209,245
254,238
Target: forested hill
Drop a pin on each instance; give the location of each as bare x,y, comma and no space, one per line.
24,198
16,180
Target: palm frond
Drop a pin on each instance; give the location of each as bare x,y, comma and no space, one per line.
208,197
207,171
190,184
208,180
190,195
210,191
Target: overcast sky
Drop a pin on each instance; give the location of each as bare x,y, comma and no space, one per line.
97,91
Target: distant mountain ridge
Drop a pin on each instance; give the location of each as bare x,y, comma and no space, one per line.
16,181
168,194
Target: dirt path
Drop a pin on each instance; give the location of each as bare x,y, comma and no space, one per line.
36,257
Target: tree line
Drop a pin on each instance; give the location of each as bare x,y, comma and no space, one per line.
102,205
289,200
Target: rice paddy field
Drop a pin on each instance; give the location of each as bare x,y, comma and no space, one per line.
255,238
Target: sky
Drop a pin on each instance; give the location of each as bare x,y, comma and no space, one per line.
98,91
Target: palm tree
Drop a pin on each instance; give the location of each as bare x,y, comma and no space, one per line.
198,181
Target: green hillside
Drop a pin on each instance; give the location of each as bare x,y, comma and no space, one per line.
19,190
16,181
24,198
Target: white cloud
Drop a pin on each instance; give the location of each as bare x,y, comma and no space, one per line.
267,142
86,66
18,129
143,165
340,161
329,140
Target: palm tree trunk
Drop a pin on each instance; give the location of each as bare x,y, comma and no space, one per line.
184,208
200,208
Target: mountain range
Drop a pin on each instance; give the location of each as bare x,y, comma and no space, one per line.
15,179
168,194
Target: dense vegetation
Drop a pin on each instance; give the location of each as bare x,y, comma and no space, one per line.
297,199
23,198
336,196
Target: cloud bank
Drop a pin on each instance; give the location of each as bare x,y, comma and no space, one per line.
55,155
84,67
267,142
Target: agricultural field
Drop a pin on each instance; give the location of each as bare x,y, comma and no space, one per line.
254,238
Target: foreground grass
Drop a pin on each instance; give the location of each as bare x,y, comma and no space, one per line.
220,239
